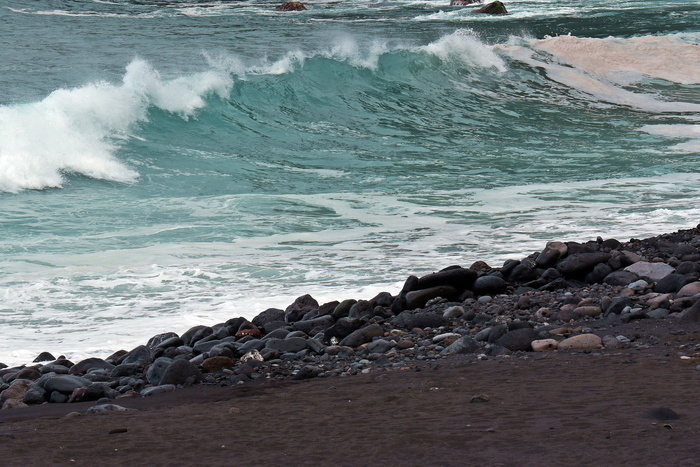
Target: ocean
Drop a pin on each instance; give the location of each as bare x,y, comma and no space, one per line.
165,164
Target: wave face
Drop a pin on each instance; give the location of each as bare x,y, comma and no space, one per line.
167,164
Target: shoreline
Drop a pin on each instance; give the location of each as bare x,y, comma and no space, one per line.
504,364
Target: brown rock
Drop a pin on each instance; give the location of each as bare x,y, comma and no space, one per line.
291,6
249,332
582,341
213,364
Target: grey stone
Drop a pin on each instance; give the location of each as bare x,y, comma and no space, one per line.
456,277
462,345
44,357
343,308
107,408
653,272
140,354
127,369
65,384
343,328
380,346
155,390
158,339
321,323
157,369
453,312
290,344
35,395
268,316
54,368
671,283
552,253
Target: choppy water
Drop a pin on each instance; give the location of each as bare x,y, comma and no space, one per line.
171,163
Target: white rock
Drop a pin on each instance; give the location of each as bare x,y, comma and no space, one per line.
544,344
582,341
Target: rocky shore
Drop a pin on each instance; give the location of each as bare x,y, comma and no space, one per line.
569,297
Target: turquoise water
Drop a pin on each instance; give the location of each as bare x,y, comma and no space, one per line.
165,164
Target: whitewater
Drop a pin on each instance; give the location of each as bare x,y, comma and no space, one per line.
165,164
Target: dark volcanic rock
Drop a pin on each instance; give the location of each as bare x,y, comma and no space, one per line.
671,283
463,2
599,273
290,344
268,316
343,327
362,335
620,278
552,253
44,357
493,8
299,308
140,354
88,364
409,320
692,314
181,373
520,339
418,298
157,369
580,264
308,326
489,285
156,340
457,277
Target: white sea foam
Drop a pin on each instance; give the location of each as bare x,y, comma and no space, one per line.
602,67
463,45
76,130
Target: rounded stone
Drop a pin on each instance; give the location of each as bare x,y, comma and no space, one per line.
582,341
540,345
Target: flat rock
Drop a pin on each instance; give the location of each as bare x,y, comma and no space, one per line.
688,290
462,345
653,272
362,335
155,390
107,408
89,364
65,384
520,339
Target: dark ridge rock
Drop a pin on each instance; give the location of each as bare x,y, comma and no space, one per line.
299,308
463,2
140,354
88,364
202,334
611,244
342,328
522,273
418,298
307,372
361,309
191,332
290,6
157,369
688,267
44,357
672,283
552,253
620,278
384,299
343,308
290,344
268,316
508,266
127,369
175,341
493,8
599,273
319,324
156,340
617,305
181,373
519,339
362,335
457,277
409,320
328,308
580,264
29,373
489,285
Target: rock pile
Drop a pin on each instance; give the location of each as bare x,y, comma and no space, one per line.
549,301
